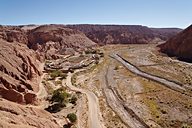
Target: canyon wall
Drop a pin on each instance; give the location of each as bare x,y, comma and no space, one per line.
180,45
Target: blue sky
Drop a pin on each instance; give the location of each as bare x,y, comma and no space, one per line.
152,13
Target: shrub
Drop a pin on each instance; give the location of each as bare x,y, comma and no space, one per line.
90,51
73,99
60,95
63,76
55,107
43,82
101,54
55,73
58,73
72,117
58,82
116,68
67,125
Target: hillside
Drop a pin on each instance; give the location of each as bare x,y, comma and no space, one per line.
19,66
22,50
53,40
179,45
124,34
165,33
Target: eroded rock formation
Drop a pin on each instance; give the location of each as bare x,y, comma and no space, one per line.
57,39
23,48
19,72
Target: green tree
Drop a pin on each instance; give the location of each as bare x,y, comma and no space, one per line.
60,95
72,117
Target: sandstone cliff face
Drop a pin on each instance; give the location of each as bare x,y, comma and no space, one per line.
123,34
179,45
56,39
14,115
19,72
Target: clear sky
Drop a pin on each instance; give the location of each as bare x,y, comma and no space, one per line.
152,13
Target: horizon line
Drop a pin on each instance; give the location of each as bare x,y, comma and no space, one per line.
112,24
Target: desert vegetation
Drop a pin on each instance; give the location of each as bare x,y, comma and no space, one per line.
57,73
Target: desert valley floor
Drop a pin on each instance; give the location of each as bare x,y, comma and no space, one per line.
113,95
95,64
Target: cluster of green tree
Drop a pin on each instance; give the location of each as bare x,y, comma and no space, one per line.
59,100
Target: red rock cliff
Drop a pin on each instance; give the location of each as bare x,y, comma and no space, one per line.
124,34
56,39
19,66
179,45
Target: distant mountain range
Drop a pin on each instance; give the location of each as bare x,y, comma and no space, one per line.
124,34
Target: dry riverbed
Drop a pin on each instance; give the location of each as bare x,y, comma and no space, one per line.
114,97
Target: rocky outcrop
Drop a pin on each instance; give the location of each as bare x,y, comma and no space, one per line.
19,72
54,40
124,34
13,34
14,115
179,45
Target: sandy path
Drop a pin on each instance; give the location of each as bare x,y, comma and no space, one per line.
93,105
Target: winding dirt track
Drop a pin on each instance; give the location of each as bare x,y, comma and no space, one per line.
170,84
93,105
129,118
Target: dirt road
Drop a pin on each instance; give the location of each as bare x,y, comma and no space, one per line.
93,105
